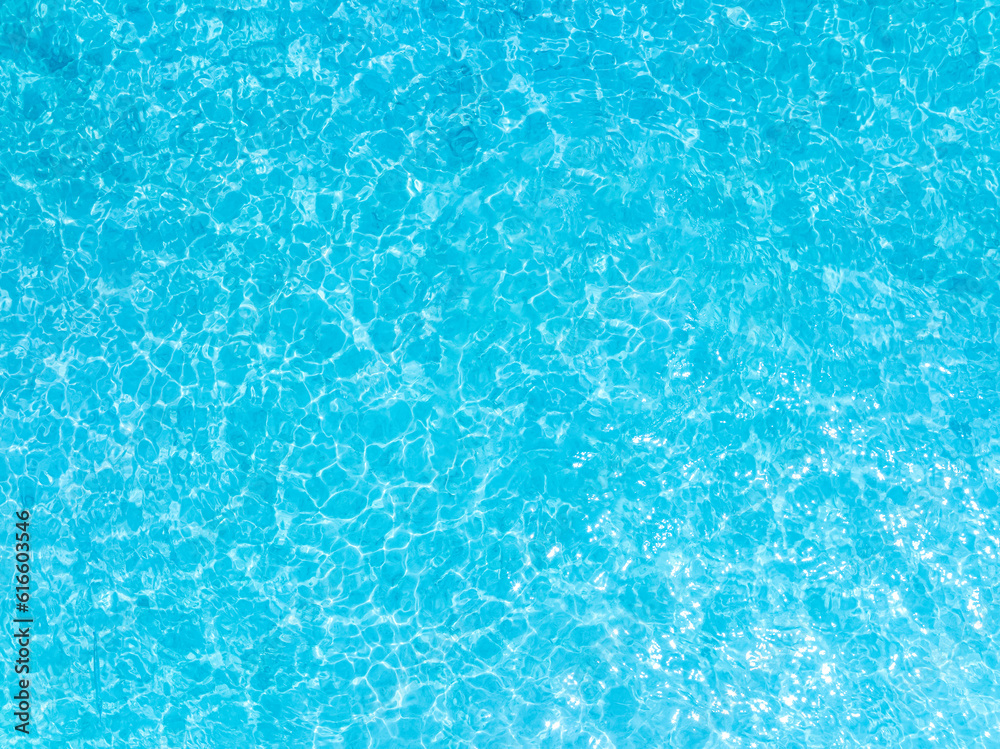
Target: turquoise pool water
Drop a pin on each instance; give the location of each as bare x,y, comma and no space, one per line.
484,374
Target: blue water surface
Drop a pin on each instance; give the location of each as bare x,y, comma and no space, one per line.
503,374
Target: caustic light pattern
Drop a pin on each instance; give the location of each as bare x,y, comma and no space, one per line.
486,374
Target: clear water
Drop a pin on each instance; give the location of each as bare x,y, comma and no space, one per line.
504,374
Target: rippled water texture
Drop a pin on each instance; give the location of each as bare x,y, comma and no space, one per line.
504,375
